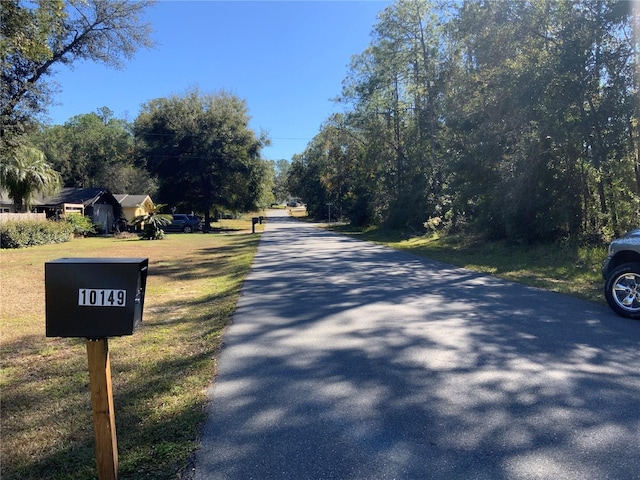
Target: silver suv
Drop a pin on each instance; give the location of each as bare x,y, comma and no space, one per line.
621,272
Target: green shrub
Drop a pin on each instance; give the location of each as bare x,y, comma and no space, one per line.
152,232
82,226
20,234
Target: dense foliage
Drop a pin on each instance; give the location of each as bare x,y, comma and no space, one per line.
519,119
82,225
96,150
25,171
279,170
203,152
193,152
20,234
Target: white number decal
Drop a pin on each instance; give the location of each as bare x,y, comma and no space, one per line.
94,297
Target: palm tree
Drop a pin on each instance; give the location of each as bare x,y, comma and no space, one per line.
26,172
152,222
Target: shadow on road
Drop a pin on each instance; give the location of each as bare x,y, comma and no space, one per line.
351,360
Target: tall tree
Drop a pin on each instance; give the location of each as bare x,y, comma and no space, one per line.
395,89
517,118
202,150
38,35
501,72
280,170
24,34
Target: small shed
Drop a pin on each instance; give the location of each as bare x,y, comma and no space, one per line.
98,204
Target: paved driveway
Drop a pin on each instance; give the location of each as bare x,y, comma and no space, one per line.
348,360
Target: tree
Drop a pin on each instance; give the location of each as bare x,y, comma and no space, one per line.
129,179
25,173
202,151
395,89
516,118
95,150
152,222
280,171
262,183
541,113
38,35
334,170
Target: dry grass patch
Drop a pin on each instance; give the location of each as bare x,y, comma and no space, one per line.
160,373
298,212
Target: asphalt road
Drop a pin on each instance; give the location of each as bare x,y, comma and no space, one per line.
347,360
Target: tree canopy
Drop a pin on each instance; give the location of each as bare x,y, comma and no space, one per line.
202,151
517,118
95,150
35,36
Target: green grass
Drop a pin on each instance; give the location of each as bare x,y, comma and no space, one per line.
160,373
563,267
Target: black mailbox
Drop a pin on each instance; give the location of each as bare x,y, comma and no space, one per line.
94,297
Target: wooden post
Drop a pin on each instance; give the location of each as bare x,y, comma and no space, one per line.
104,423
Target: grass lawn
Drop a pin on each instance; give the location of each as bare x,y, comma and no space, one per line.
561,267
160,373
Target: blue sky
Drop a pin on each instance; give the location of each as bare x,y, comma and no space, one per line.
287,59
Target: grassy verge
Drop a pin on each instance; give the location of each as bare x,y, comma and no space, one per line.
159,374
562,267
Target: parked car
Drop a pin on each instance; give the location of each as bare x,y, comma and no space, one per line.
621,272
183,223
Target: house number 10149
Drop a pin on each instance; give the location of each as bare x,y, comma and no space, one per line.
95,297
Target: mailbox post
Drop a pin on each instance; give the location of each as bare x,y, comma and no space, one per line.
97,298
104,420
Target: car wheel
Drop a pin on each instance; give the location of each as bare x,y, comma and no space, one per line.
187,229
622,290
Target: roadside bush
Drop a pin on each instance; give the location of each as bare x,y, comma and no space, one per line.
151,232
22,234
82,226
